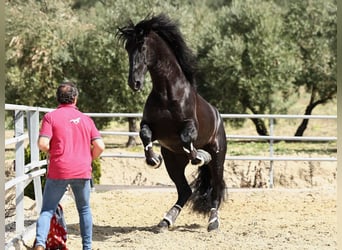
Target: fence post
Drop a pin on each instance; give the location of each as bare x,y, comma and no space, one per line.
33,125
271,152
19,170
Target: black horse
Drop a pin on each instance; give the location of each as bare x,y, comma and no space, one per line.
187,127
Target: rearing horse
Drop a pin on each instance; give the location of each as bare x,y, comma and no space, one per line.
187,127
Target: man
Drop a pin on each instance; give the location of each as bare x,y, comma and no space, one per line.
72,141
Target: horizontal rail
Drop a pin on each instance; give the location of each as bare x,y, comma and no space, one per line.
26,108
257,137
281,158
132,115
122,155
20,107
278,116
242,158
232,116
139,115
283,138
25,177
16,139
119,133
28,167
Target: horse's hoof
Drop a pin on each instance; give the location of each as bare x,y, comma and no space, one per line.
202,157
213,223
213,226
155,162
163,226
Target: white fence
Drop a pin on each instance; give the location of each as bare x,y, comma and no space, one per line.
32,171
24,174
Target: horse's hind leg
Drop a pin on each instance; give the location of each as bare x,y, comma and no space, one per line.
216,168
217,195
152,158
175,166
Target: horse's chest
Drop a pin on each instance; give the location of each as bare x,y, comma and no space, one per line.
163,124
166,119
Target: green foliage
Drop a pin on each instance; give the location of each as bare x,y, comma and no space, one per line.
244,54
253,55
312,28
37,38
261,51
96,170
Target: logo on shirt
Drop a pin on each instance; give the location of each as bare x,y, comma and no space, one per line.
75,121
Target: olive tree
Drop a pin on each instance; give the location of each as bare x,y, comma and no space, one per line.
311,27
246,65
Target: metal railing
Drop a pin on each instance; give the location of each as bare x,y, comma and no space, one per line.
24,174
270,138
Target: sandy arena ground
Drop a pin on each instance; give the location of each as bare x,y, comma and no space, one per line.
279,218
299,213
250,219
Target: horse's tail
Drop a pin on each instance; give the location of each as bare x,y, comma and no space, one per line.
201,198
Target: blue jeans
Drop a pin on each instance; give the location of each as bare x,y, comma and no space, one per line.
53,192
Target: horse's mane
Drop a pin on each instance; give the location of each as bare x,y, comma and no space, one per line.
169,31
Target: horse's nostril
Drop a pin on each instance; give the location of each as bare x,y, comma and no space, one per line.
137,85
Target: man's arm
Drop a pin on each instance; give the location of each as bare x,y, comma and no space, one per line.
98,147
44,143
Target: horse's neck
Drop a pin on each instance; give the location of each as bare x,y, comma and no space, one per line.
167,86
167,76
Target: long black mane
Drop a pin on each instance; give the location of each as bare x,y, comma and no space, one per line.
169,31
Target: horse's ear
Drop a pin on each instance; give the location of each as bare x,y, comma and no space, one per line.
120,34
126,32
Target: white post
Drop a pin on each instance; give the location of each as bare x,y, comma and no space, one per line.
271,153
33,127
19,170
2,122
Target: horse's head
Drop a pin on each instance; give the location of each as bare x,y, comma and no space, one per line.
140,55
151,41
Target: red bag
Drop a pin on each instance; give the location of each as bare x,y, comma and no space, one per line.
57,237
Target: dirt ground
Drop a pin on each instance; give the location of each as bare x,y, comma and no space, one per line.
250,219
299,213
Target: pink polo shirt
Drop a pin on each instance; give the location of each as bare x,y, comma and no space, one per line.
70,133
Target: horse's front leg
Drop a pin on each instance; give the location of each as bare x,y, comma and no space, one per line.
175,165
152,158
188,136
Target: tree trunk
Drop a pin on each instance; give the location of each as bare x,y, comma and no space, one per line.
312,104
259,123
260,126
132,127
304,124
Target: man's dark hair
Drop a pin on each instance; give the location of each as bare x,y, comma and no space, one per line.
66,93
